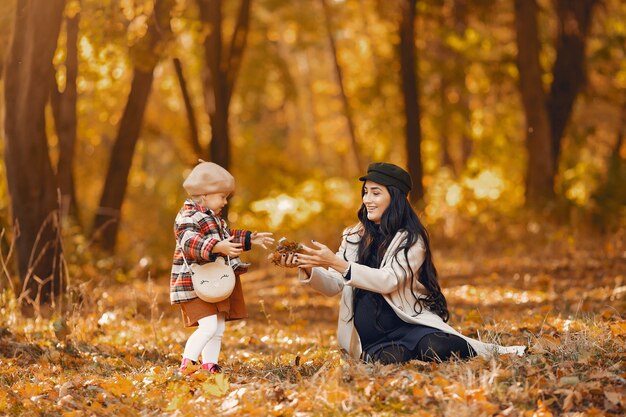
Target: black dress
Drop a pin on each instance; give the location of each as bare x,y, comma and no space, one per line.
387,338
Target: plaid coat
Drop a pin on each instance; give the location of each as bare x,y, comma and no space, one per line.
197,230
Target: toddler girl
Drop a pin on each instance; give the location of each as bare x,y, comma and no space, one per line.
202,236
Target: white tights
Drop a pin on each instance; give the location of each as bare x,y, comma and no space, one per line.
206,339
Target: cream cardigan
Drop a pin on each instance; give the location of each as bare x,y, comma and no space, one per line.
390,281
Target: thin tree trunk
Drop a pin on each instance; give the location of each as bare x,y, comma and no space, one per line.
220,73
64,110
574,21
446,158
30,176
460,11
106,223
311,113
191,114
408,66
354,147
540,167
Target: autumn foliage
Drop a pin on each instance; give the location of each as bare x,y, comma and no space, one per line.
509,115
117,349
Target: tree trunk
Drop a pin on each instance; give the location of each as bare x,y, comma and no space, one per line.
146,55
220,72
446,156
191,114
408,67
107,219
214,82
540,167
354,147
574,21
64,110
460,11
30,176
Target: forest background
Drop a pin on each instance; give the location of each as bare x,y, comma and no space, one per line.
509,115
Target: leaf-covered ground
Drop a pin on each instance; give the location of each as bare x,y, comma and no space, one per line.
118,352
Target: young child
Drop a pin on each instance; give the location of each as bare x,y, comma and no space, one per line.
202,236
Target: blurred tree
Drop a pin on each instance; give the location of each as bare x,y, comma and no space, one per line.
354,148
610,197
568,73
547,115
145,55
453,90
222,65
30,176
540,171
6,18
64,110
410,94
194,137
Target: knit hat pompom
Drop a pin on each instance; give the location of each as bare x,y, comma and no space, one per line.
209,178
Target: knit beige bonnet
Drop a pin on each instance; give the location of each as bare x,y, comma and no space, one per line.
209,178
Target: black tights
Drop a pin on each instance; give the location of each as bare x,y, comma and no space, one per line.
434,347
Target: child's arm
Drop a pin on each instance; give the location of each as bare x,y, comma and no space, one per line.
228,247
193,244
248,238
242,237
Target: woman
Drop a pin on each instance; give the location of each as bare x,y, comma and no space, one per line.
392,308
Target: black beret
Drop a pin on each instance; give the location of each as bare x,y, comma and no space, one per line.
389,174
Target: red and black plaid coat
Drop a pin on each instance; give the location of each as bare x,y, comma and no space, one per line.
197,230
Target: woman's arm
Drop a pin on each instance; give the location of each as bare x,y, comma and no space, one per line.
390,277
327,281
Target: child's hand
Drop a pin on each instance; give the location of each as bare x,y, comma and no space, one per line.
228,247
261,239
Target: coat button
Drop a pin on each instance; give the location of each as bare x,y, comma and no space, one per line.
401,308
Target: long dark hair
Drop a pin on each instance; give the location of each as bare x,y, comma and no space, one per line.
400,216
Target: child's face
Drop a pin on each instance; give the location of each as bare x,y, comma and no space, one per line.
215,201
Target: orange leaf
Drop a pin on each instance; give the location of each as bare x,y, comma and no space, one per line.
542,410
619,328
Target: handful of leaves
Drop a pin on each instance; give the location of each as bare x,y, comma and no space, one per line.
284,247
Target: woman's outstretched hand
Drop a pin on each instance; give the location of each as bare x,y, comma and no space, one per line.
322,256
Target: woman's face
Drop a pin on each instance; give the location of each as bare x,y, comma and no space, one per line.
215,202
376,199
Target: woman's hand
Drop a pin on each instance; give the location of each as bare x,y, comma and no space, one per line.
228,247
322,256
261,239
290,260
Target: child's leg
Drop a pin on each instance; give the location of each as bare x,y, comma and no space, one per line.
211,351
207,327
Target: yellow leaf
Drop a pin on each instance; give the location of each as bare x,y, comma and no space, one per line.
217,387
119,386
619,328
474,316
440,381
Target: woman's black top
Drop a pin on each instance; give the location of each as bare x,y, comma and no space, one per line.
377,324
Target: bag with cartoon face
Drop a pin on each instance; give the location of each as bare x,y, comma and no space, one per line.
213,281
